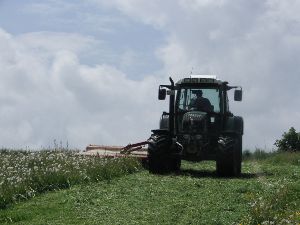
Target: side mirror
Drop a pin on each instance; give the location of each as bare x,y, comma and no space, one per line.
238,95
162,94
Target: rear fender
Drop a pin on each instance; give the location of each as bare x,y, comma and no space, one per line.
161,132
234,124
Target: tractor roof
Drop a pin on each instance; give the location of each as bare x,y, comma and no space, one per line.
200,79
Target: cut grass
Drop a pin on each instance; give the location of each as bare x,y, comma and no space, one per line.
266,193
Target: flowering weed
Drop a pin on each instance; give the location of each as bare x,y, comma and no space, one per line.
23,174
278,202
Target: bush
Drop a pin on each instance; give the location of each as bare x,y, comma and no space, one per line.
258,154
290,141
292,158
246,155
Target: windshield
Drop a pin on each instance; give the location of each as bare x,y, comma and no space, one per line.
199,99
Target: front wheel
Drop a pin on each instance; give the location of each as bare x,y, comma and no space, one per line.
175,164
160,158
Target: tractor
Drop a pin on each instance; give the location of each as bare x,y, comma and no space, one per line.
199,126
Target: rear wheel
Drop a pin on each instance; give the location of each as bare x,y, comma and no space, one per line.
239,155
229,161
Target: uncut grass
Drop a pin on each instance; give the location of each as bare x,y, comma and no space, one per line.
273,156
23,174
278,201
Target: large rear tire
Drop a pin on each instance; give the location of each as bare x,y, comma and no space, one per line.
229,162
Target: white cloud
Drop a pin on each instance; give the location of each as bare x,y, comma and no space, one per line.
57,97
252,43
150,12
48,93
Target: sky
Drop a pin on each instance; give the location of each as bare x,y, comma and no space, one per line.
87,72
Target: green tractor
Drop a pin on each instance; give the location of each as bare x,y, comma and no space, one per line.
198,126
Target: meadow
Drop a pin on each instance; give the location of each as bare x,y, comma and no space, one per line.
23,174
120,191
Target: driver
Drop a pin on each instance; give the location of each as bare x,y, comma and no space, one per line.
201,103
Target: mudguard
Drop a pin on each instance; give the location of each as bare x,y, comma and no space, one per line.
234,124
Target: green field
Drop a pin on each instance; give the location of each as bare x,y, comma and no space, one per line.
268,192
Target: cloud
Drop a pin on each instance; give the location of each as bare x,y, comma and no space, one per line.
150,12
252,43
50,91
48,94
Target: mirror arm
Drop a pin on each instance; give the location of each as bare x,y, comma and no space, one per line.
235,87
172,82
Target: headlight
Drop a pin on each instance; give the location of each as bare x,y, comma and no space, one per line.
198,137
187,137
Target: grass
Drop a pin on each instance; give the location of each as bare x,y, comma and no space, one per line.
258,154
278,202
267,193
23,174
